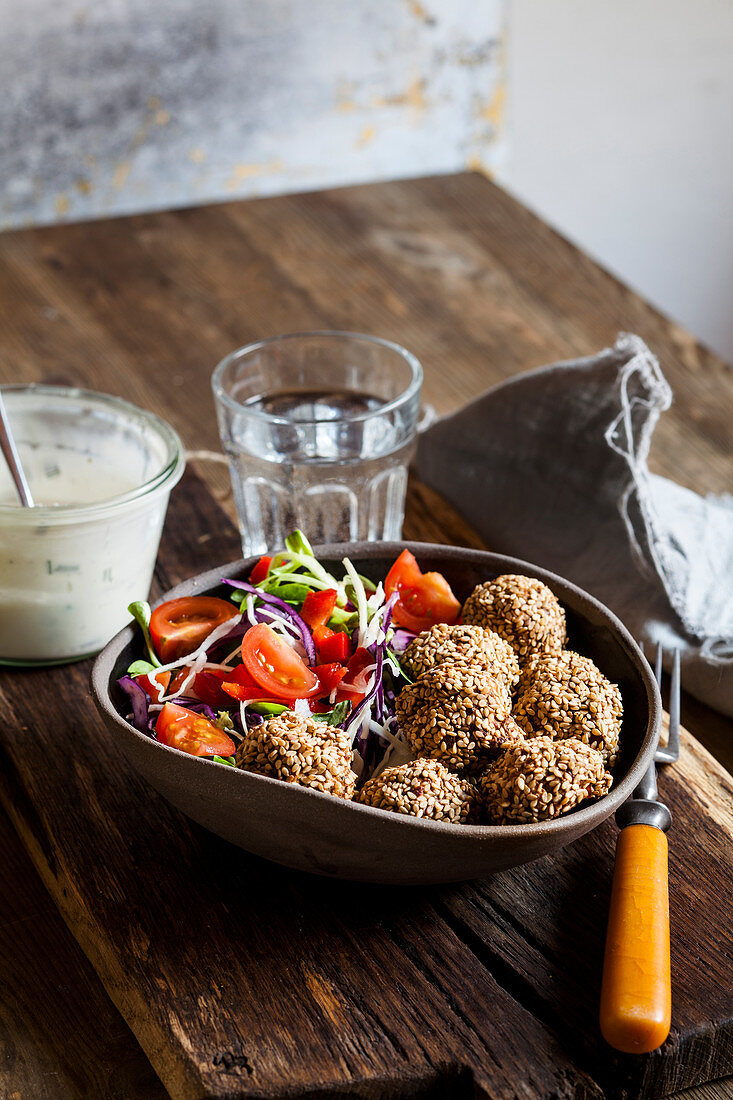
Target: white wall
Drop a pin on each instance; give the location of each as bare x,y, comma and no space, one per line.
621,134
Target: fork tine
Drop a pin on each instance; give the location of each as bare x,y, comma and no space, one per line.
671,751
673,743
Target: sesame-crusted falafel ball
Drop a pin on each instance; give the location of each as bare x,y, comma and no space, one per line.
541,778
473,644
297,749
423,788
523,610
458,714
565,695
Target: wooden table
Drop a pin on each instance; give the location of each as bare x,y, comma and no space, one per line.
144,307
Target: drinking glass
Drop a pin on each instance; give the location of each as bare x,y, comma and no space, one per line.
319,428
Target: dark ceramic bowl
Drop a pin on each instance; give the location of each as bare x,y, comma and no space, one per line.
316,832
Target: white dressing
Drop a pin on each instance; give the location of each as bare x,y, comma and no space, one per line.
100,472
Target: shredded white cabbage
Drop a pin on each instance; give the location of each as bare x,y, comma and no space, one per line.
383,730
288,629
249,603
242,715
157,687
392,664
376,599
361,598
397,753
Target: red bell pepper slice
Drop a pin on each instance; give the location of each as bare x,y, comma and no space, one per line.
335,646
318,607
329,676
260,570
354,685
207,687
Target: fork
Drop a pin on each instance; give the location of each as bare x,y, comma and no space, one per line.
636,998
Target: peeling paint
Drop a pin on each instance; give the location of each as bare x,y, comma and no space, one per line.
489,114
242,172
366,136
314,95
345,97
476,163
493,111
412,97
415,98
421,13
120,175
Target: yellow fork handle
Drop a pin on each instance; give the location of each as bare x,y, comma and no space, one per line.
636,999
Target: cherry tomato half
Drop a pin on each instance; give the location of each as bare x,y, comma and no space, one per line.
424,598
405,571
275,665
260,570
179,626
177,681
192,733
154,684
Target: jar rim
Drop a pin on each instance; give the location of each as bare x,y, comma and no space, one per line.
168,476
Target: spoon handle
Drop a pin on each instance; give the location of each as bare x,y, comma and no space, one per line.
7,445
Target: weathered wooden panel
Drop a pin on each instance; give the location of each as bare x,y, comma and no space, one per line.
243,979
123,105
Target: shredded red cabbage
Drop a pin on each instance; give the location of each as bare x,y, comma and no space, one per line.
373,690
140,701
195,705
401,639
237,632
286,609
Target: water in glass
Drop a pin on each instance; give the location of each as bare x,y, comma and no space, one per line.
323,460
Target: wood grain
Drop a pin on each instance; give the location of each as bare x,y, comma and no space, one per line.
61,1037
479,288
280,981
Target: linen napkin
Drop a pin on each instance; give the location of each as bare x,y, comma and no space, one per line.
551,466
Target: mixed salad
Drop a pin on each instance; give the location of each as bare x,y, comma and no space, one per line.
291,637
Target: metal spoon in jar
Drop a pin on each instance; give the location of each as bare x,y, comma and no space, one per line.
10,451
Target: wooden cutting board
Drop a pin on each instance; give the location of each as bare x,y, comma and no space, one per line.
242,979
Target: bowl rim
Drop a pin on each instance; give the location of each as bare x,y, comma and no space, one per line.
595,813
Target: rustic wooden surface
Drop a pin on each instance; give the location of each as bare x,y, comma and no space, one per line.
61,1037
144,307
242,979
